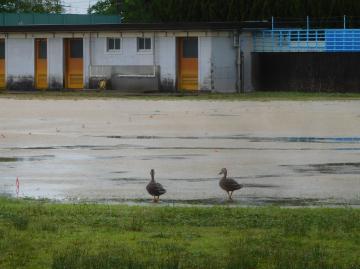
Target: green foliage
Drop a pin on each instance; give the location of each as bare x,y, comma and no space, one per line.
36,6
220,10
104,7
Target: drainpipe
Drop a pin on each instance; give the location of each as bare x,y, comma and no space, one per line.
238,64
90,58
154,56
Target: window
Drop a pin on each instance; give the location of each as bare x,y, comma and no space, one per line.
144,43
113,44
2,49
190,47
42,49
76,48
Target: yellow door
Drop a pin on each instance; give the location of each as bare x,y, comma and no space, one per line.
188,71
41,74
74,63
2,64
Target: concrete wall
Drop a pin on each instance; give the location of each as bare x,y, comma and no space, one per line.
246,43
20,65
128,54
165,52
87,61
56,63
224,73
205,64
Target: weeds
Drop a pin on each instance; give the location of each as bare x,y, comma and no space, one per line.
20,222
252,96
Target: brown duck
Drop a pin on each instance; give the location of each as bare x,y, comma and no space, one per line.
228,184
155,189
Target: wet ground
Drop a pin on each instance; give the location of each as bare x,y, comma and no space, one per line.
285,153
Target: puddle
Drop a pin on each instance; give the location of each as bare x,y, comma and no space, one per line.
26,159
171,157
130,180
224,115
327,168
8,160
237,202
251,139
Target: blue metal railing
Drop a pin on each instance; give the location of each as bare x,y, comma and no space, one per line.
307,40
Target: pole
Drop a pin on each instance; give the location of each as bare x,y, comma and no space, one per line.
307,23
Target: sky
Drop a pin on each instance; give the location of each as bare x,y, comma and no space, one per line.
77,6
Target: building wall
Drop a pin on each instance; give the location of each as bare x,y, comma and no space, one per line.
55,63
129,61
224,74
86,60
217,60
205,64
246,43
128,54
166,58
20,65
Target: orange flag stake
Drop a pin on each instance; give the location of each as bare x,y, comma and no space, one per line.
17,186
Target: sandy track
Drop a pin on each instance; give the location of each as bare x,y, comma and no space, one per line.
287,152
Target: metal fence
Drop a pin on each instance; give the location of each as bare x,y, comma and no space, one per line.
309,36
312,40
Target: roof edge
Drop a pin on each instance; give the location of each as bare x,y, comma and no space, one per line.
183,26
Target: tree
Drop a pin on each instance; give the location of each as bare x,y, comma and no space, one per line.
105,7
224,10
26,6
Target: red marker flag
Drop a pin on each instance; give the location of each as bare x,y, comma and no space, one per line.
17,186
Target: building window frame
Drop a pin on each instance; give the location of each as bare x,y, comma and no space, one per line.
116,47
144,45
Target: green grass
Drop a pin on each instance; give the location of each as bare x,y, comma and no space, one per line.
255,96
39,234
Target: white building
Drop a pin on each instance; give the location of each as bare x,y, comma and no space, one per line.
212,57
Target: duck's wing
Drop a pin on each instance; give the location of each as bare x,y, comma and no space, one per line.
159,189
232,184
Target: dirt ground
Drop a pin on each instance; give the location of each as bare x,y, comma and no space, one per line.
284,152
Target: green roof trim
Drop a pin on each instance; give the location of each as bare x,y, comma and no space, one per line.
18,19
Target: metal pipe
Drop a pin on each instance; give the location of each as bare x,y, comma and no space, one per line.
238,65
154,56
307,23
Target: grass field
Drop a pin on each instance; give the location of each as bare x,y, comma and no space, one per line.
255,96
39,234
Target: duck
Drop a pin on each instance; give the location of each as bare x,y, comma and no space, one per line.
155,189
228,184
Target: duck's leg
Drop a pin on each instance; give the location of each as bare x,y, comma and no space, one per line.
154,200
231,193
228,193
